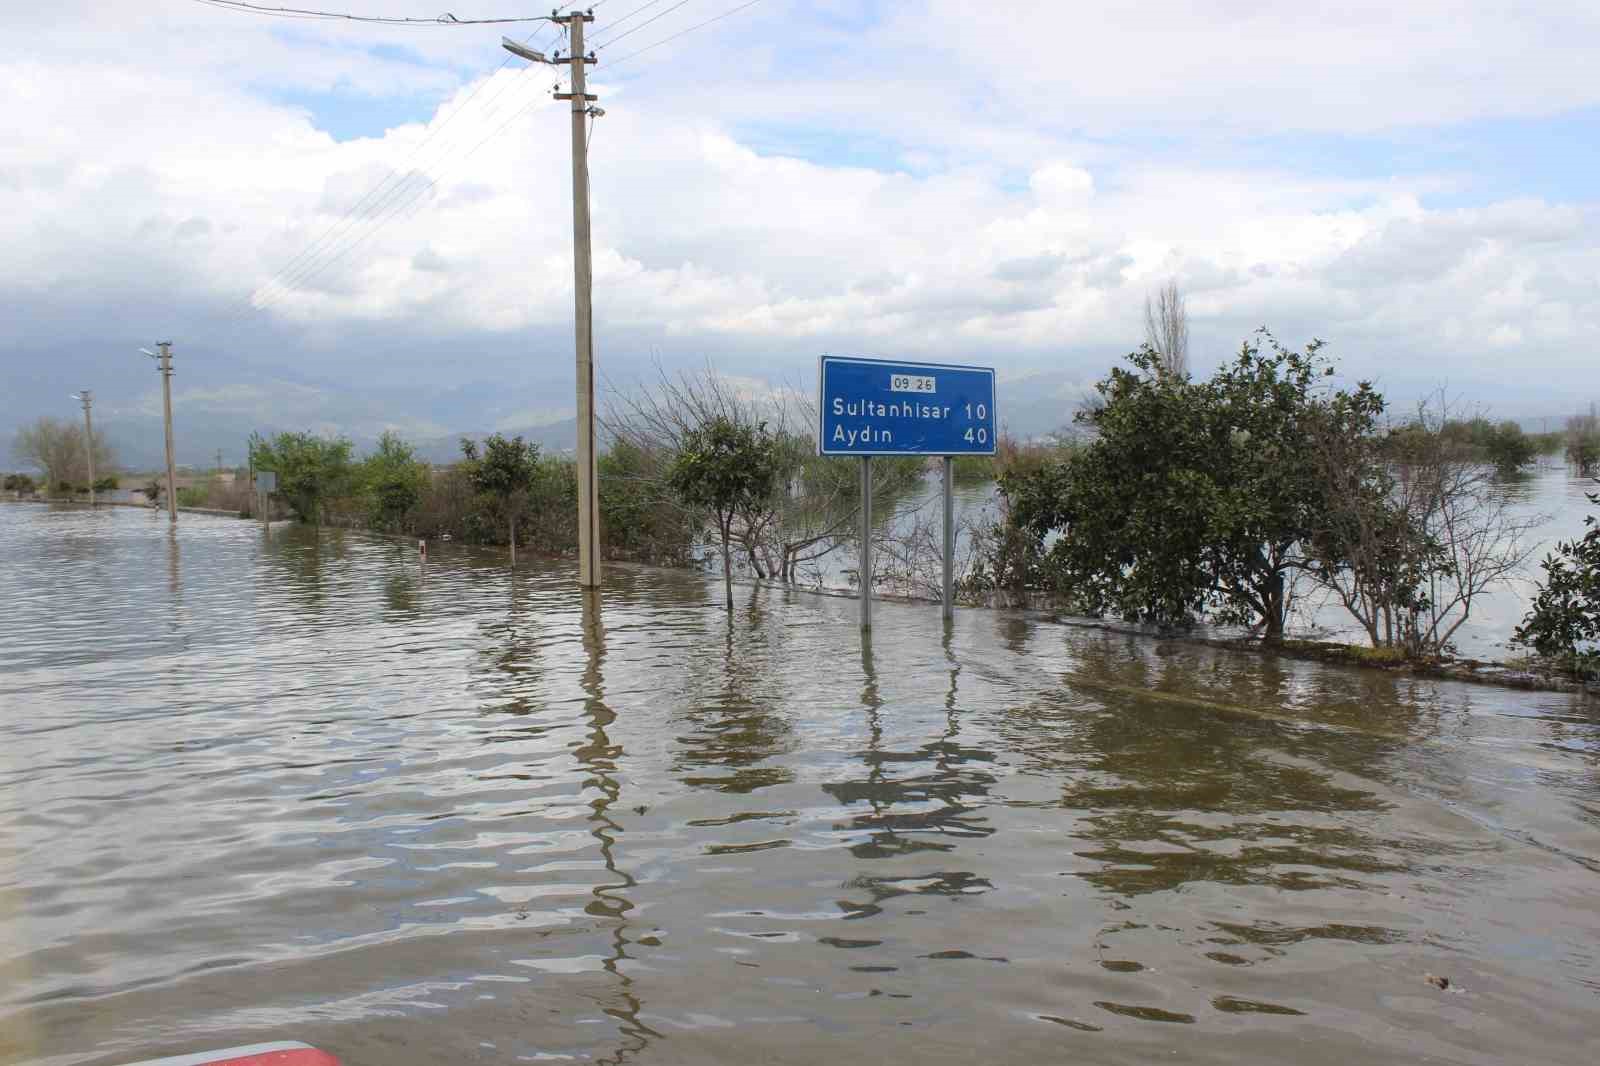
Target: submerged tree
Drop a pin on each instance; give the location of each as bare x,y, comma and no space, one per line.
1564,622
392,481
56,447
310,470
1416,530
725,467
1194,496
505,472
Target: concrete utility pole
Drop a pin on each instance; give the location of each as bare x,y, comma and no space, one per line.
164,360
583,287
583,306
88,436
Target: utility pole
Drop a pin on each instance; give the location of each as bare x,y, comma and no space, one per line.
219,461
583,285
164,360
583,304
88,437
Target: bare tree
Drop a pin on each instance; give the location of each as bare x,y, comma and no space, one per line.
1417,530
1166,327
56,447
813,509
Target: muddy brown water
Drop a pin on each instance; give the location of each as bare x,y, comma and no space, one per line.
286,786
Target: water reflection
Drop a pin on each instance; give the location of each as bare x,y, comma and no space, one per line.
599,757
736,737
924,809
416,821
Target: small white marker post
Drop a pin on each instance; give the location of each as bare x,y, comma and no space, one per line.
865,562
949,538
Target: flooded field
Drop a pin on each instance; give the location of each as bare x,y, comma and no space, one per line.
289,786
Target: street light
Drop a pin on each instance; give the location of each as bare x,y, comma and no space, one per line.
164,360
517,48
86,398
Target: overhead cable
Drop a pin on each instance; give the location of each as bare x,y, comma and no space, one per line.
446,19
613,64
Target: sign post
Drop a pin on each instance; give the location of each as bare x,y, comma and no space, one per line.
266,485
873,407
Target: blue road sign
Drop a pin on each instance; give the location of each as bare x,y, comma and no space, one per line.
879,407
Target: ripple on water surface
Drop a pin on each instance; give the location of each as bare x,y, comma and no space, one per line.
260,786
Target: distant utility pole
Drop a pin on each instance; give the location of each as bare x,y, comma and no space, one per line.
219,460
583,290
87,398
164,360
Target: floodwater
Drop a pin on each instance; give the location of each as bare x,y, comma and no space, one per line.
287,786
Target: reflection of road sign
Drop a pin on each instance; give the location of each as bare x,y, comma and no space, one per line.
878,407
266,481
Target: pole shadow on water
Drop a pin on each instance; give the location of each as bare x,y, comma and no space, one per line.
599,757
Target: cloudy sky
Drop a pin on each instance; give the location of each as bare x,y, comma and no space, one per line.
347,227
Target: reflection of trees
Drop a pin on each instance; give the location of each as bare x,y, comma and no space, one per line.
599,756
1157,764
400,592
301,557
915,812
735,735
516,670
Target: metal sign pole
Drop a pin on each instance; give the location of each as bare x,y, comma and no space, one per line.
949,539
865,562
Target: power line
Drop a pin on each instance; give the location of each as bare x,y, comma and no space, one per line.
312,258
699,25
302,265
384,214
627,33
387,20
642,7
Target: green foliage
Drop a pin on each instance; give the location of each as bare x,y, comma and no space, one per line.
153,490
1583,451
1501,444
724,467
196,496
640,521
503,474
1564,622
105,484
1510,449
311,470
1194,496
19,483
392,482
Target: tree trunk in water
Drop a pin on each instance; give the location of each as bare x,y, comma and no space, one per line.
1274,615
727,569
513,542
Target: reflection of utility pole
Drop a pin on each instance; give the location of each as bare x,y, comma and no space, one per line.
88,436
165,362
583,290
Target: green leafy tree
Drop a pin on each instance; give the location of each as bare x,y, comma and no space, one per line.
1510,449
392,482
310,469
725,467
1564,622
1194,495
19,483
505,473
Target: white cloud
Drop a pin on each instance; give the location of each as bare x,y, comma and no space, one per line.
128,177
